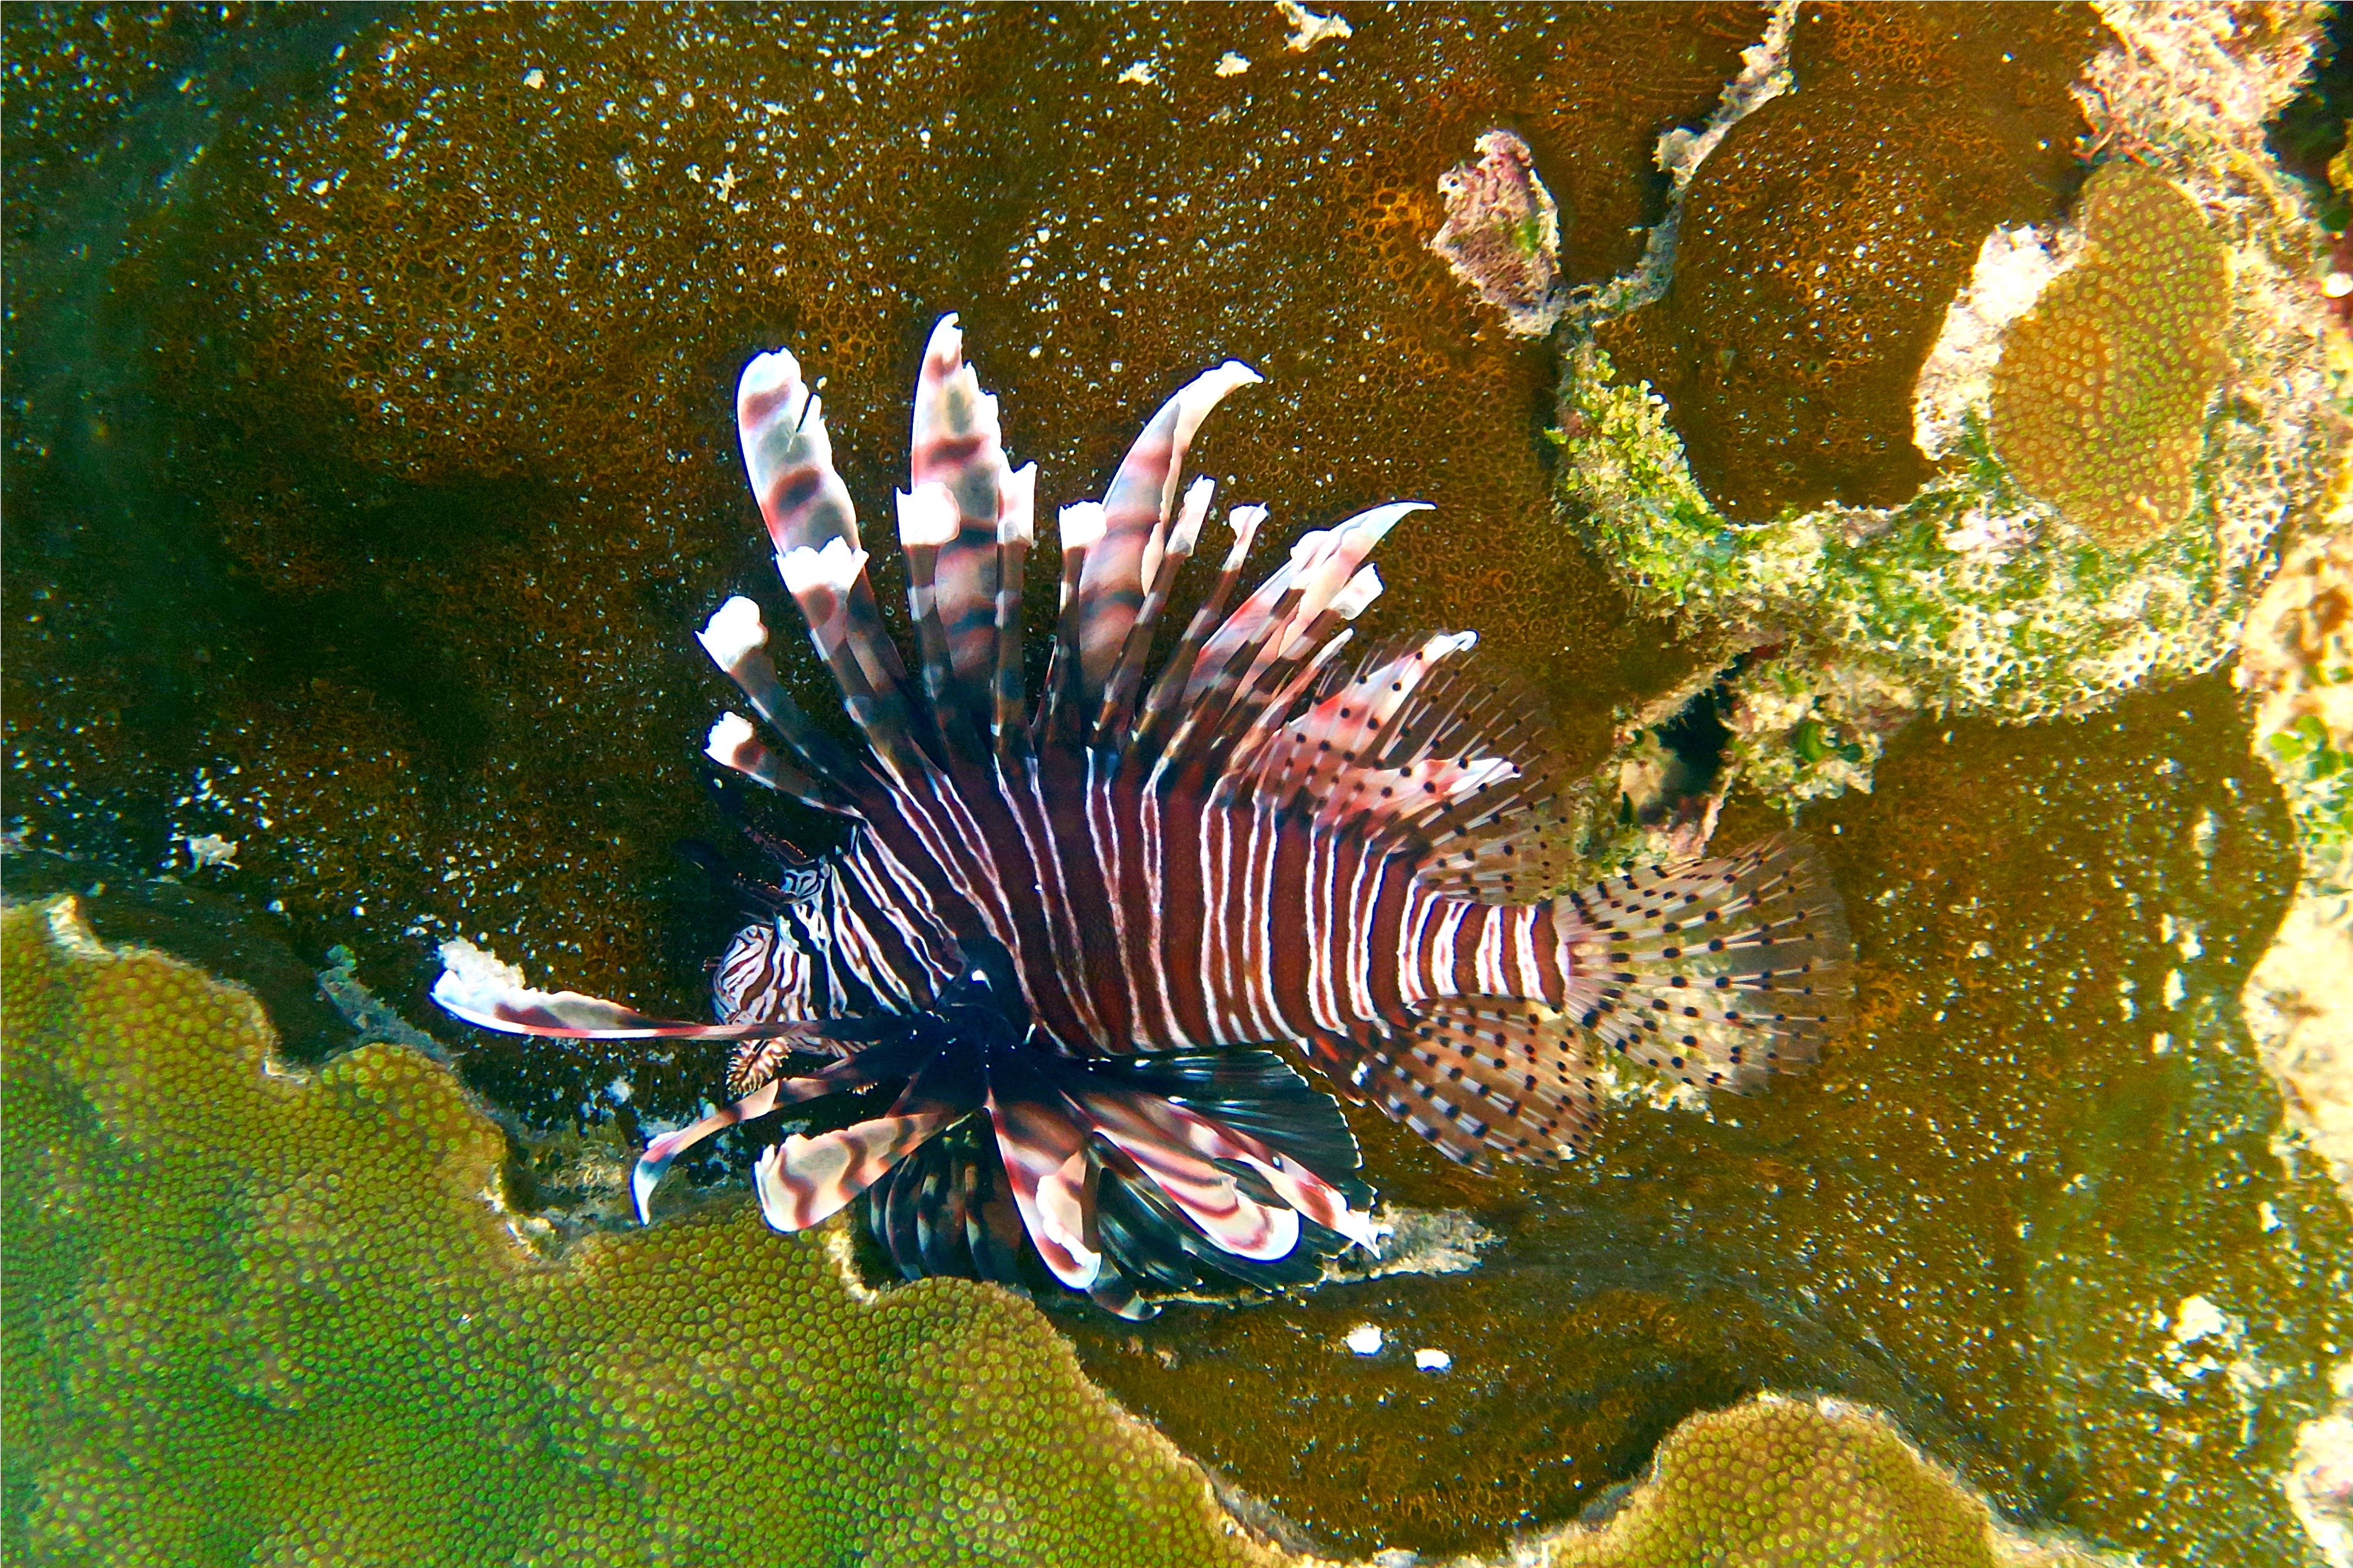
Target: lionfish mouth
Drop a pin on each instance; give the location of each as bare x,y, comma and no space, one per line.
1126,1172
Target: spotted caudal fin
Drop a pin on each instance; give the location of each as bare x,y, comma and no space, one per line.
1141,501
1716,972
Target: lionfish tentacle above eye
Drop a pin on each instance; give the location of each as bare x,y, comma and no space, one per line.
1274,839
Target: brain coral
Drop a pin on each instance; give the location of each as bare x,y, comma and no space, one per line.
1788,1483
2101,388
259,1317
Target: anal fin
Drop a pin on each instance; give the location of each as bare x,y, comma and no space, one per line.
1489,1077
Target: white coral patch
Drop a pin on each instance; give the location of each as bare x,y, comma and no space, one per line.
1307,28
2014,265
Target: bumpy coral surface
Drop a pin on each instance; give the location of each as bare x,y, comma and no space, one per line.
1820,240
2049,1129
2297,658
1967,592
255,1316
1784,1483
2100,399
422,644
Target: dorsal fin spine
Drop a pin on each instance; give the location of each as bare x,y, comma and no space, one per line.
1161,705
1079,527
927,520
822,582
1141,498
1164,557
1016,529
736,640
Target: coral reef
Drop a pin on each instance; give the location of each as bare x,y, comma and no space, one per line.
411,448
257,1315
2099,400
1956,589
2297,658
2049,1127
332,622
1820,240
1792,1483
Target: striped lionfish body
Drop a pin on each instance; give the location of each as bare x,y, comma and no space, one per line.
1150,882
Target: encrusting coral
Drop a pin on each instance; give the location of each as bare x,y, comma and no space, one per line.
1974,594
259,1317
1795,1483
2101,392
2297,658
256,1315
1502,234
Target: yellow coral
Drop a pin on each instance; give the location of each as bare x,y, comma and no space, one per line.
259,1317
2100,396
1789,1483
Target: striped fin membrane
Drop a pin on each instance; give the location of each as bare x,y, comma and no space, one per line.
1067,924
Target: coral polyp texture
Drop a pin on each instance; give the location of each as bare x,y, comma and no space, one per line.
257,1316
1796,1483
2100,398
2096,519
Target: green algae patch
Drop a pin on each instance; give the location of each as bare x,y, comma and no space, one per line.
260,1317
2119,416
2101,392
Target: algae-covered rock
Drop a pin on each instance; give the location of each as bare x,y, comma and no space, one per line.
256,1316
2089,529
2101,392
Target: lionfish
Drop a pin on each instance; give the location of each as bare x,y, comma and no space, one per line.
1074,932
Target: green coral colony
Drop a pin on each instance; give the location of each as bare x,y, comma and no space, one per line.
260,1316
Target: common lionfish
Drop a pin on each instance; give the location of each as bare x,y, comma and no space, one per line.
1072,931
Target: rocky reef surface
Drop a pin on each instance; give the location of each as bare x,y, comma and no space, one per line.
369,466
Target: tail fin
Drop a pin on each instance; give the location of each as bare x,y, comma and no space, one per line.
1717,973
